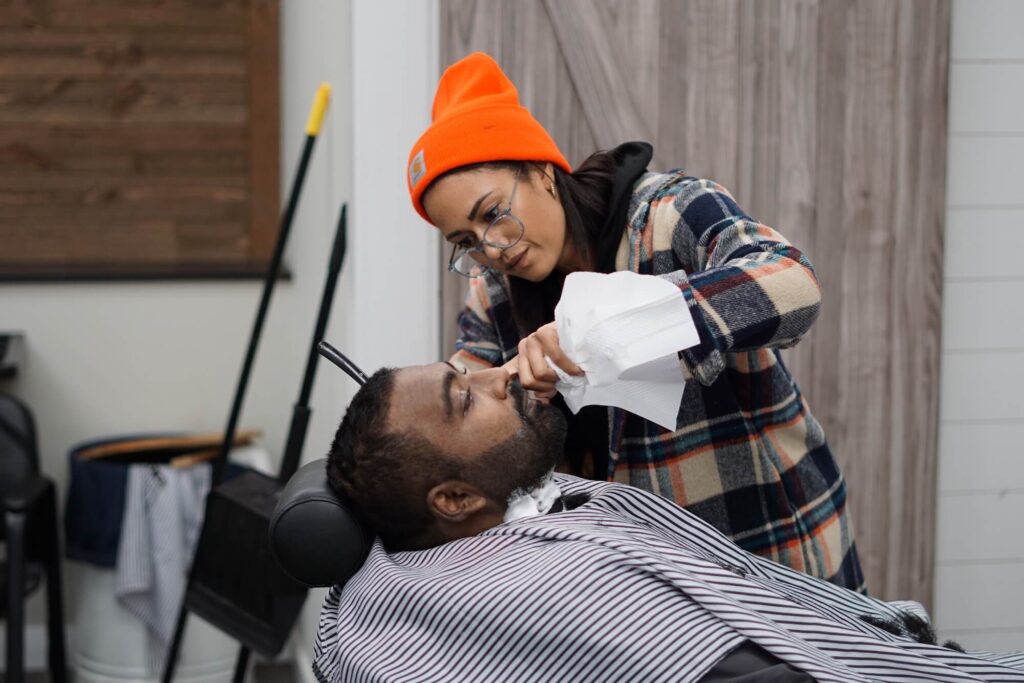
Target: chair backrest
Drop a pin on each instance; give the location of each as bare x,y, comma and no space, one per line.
19,457
314,537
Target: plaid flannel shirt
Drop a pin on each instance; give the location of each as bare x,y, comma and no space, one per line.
747,455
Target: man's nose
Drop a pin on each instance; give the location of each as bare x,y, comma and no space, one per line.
493,380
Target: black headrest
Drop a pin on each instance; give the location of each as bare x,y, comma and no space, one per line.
313,536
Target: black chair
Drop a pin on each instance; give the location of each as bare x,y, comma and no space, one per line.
313,536
30,535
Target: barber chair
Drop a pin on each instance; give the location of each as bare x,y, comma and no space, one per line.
30,536
313,536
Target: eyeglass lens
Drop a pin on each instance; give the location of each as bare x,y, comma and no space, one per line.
504,232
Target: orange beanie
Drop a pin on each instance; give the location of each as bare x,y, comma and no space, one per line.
476,118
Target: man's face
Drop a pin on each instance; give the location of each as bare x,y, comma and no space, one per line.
482,420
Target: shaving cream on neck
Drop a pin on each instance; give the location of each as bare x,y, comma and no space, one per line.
535,501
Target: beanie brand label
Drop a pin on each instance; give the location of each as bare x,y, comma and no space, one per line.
417,169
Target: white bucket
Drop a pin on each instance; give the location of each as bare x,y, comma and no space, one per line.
110,643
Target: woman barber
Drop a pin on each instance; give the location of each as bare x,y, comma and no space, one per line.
747,455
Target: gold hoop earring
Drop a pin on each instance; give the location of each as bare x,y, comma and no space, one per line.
552,190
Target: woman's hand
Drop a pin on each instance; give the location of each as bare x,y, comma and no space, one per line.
534,372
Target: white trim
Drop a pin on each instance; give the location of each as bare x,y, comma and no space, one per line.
390,297
394,253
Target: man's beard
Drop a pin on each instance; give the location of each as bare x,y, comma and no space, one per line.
523,460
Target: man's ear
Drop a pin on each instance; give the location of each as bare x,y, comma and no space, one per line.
455,501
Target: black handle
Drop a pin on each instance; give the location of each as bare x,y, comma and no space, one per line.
338,358
261,311
333,270
300,416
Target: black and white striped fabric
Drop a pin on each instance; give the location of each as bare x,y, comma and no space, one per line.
626,587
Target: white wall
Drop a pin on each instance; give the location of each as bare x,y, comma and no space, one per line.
112,358
979,597
392,317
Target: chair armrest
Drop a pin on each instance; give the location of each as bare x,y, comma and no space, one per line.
25,496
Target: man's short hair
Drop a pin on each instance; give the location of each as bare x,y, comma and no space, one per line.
386,471
381,470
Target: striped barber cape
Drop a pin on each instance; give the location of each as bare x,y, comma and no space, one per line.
625,587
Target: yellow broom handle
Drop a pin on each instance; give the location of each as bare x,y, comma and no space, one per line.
316,114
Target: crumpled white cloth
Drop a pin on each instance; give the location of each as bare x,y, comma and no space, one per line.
624,330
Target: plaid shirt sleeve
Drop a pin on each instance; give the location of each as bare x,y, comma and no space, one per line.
480,342
746,285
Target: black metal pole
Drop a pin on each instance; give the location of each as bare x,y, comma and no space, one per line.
172,651
217,469
15,547
330,285
301,412
241,665
273,271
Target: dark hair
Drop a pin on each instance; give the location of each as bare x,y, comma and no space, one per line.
585,197
385,473
378,470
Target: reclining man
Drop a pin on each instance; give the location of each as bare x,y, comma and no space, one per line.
592,582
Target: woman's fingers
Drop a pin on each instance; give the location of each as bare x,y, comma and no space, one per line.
544,396
536,377
535,356
512,367
535,372
548,338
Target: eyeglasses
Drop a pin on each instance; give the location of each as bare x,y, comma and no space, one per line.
503,232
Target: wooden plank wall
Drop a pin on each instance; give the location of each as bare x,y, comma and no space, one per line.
826,119
137,136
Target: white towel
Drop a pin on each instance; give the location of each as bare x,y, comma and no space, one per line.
624,330
163,516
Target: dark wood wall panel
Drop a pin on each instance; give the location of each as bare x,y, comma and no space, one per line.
825,119
138,137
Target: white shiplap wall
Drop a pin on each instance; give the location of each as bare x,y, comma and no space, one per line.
979,598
